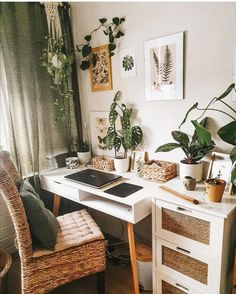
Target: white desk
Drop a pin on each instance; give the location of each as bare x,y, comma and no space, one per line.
131,209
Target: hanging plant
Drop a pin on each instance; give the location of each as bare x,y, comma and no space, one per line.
112,30
59,67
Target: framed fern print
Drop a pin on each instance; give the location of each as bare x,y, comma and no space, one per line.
164,68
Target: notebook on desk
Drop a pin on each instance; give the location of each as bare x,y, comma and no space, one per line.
93,178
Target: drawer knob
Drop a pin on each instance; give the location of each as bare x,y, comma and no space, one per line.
180,286
184,209
183,250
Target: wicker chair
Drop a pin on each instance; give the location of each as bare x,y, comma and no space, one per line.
45,270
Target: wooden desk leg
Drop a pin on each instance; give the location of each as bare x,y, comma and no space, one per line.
132,251
56,204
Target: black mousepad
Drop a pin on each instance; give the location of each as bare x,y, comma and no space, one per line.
123,190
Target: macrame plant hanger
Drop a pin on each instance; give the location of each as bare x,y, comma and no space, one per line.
54,26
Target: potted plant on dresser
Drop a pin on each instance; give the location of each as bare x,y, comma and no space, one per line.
121,134
194,148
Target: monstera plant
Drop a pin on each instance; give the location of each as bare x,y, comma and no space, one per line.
120,132
227,132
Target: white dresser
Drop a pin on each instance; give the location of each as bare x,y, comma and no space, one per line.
193,245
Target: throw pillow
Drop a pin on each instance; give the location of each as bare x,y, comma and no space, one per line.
42,222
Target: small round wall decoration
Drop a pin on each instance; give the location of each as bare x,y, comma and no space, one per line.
127,63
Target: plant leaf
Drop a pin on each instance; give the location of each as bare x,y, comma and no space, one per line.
233,155
102,20
186,115
117,143
226,92
203,134
168,147
111,47
195,134
180,137
116,20
88,38
85,64
122,19
137,136
228,133
113,116
86,50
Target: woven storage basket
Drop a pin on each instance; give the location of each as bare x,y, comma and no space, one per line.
5,264
159,171
103,163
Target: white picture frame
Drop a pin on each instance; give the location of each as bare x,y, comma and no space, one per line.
164,68
99,123
220,167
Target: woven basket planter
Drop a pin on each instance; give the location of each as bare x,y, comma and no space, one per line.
5,264
103,163
158,171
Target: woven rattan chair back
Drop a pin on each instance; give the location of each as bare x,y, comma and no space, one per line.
8,190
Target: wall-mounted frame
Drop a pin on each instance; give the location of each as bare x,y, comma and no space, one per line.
164,68
100,69
220,167
99,123
137,156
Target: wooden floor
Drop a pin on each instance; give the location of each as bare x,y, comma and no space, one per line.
118,281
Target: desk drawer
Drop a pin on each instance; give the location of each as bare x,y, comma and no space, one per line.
60,189
186,226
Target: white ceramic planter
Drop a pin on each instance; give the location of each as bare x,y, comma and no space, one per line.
192,170
84,157
121,164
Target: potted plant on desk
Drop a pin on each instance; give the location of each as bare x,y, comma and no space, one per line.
215,189
84,153
194,148
121,134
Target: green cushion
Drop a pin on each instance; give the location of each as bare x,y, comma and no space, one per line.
42,222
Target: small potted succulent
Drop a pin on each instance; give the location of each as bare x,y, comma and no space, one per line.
215,189
84,153
121,134
194,148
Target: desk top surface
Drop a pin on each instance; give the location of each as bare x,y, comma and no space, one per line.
150,189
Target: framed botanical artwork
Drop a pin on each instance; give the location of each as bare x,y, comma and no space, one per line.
164,68
127,63
220,167
100,69
99,123
137,156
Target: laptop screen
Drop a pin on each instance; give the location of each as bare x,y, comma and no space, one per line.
93,178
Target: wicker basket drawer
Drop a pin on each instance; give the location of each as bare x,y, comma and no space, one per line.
170,285
185,226
185,264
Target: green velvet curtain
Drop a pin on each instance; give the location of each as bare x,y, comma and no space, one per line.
27,100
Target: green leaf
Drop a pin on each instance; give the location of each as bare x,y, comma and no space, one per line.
233,155
111,47
116,20
226,92
102,20
105,32
168,147
233,176
111,54
117,96
195,134
180,137
186,116
110,138
137,136
204,135
85,64
117,143
86,50
228,133
113,116
119,34
88,38
122,19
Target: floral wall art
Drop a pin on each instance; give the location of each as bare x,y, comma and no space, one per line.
100,69
127,63
164,68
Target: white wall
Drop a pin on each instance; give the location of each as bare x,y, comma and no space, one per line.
210,34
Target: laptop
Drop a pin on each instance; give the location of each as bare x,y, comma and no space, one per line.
93,178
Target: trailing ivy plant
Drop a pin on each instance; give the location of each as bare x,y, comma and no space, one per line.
127,136
112,30
227,132
59,67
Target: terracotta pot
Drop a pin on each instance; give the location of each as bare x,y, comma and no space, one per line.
215,192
